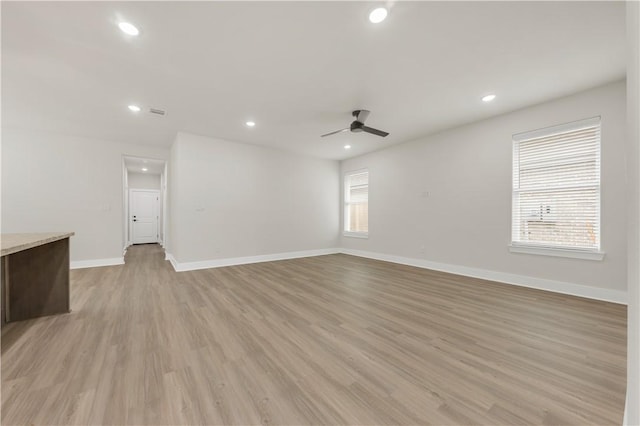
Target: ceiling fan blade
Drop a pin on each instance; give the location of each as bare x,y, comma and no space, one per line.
337,131
362,115
374,131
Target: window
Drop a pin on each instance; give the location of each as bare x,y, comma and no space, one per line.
556,190
356,204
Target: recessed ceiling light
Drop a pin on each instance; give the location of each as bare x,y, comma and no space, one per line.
144,169
347,147
488,98
250,123
128,28
134,108
378,15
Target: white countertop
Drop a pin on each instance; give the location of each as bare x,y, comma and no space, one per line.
13,243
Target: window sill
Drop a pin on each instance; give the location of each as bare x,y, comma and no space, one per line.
558,252
356,234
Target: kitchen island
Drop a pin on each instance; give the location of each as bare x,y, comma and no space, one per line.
35,275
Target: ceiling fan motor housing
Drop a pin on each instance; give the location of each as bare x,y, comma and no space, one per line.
357,126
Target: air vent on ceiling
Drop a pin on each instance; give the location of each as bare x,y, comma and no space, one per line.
157,111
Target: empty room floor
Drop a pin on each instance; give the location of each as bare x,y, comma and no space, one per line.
333,339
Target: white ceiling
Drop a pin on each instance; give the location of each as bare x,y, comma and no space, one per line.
136,164
296,68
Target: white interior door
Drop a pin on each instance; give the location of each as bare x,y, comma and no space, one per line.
143,215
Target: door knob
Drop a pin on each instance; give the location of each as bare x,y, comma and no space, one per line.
135,220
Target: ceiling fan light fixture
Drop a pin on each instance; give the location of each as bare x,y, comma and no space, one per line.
378,15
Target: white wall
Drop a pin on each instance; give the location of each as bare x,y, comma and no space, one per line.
632,410
143,181
171,179
466,219
53,182
231,200
163,207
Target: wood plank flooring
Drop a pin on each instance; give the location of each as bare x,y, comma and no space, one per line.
326,340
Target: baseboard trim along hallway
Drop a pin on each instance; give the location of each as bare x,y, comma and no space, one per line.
607,295
232,261
94,263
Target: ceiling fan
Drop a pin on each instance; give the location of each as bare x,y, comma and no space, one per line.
358,125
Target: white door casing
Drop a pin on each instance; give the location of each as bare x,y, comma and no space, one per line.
143,215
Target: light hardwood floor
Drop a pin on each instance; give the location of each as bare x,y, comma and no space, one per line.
327,340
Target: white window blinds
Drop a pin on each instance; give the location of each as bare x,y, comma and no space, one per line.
556,187
356,199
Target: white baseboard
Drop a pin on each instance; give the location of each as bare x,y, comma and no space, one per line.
217,263
170,258
615,296
94,263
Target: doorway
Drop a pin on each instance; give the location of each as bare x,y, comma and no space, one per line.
144,201
144,216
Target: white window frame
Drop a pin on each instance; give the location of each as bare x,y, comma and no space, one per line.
541,249
345,210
